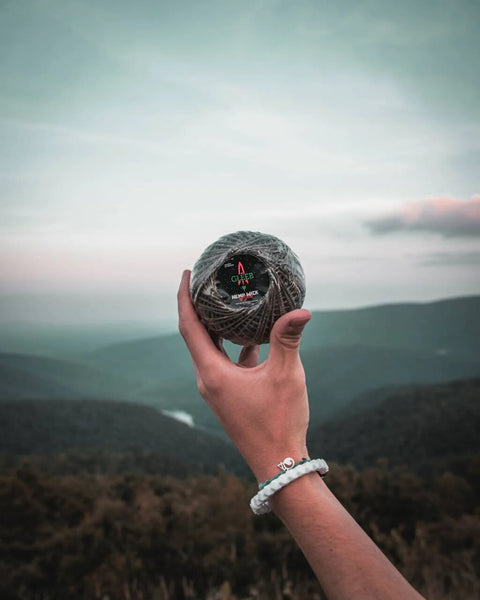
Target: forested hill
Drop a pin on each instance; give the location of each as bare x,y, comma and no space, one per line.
448,327
28,376
429,428
338,374
29,427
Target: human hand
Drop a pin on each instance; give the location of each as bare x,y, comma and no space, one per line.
263,408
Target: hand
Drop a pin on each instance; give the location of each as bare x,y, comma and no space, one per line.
263,408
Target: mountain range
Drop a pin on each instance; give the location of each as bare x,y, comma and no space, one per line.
426,428
345,353
351,357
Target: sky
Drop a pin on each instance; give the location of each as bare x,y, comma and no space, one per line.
134,134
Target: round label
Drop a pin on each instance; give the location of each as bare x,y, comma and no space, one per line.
242,280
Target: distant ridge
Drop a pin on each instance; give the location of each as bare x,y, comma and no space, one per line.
450,327
57,426
337,374
429,428
152,359
28,376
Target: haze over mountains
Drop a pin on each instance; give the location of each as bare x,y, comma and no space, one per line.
348,355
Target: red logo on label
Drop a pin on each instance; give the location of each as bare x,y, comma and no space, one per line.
241,273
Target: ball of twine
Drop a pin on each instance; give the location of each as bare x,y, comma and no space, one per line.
243,283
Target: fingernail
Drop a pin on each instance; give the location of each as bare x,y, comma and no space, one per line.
296,326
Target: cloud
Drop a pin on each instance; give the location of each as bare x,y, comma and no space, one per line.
448,217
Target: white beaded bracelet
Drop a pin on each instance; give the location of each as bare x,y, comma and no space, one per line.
260,504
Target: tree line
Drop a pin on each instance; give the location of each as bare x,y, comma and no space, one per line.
107,527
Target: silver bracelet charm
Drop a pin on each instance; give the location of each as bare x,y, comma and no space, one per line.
286,463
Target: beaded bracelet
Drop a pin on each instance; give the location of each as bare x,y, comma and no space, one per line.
260,503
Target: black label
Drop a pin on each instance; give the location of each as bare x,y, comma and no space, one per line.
242,280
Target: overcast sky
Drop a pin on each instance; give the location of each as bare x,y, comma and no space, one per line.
134,134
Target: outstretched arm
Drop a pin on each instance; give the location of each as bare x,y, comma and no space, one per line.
264,409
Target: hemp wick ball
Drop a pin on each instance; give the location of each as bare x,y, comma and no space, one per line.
243,283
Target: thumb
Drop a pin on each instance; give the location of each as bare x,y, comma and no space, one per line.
286,335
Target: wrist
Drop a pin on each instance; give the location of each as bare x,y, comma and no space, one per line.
268,466
261,502
304,493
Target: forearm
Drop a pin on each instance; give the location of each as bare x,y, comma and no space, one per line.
346,561
270,422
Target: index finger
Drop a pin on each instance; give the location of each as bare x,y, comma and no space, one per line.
197,338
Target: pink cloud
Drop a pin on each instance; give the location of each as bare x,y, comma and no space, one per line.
449,217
